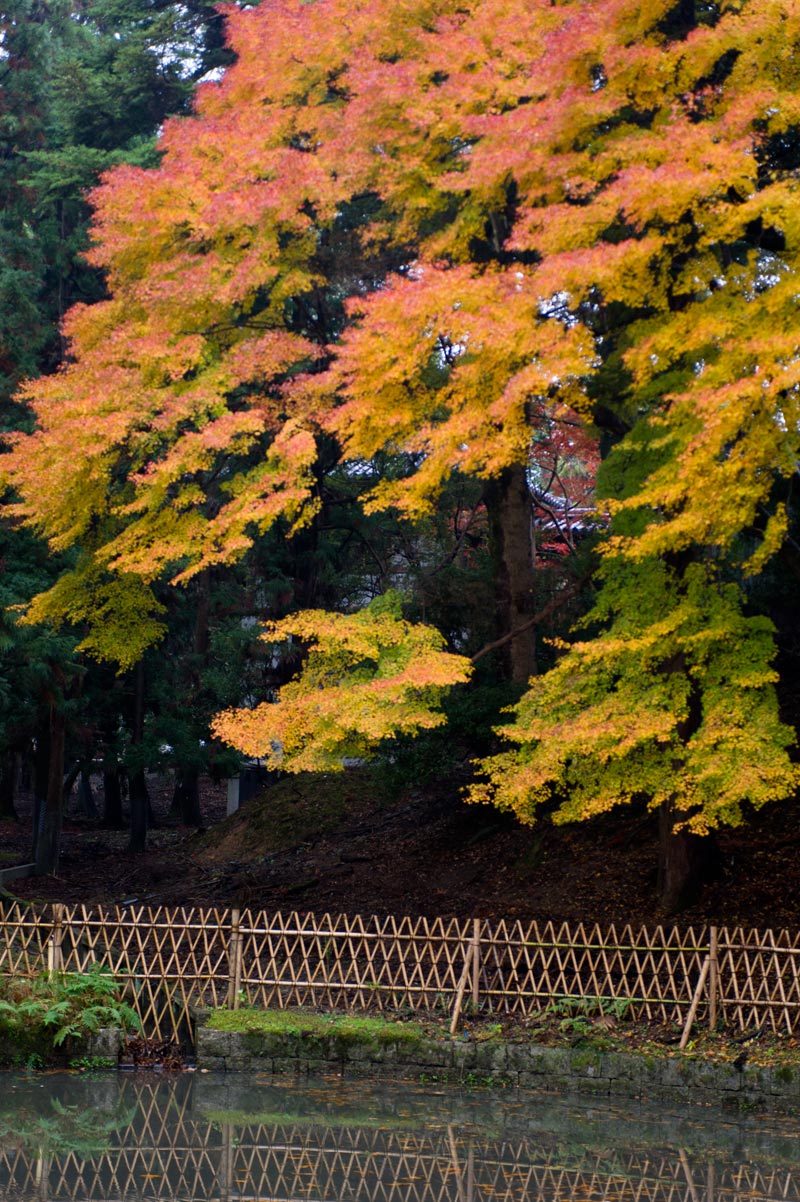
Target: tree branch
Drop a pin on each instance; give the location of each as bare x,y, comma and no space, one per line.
544,613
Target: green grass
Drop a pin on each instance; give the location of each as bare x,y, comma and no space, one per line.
355,1028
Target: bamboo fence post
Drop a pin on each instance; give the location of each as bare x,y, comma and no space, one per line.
687,1172
462,985
237,970
456,1165
713,979
54,957
476,963
471,1174
234,962
42,1175
226,1164
695,1002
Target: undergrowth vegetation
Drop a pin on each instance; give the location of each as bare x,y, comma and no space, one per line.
45,1018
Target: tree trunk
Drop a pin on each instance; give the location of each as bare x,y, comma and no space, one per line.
112,794
48,843
86,795
509,511
187,797
152,820
8,774
69,782
685,862
140,805
186,801
41,770
137,792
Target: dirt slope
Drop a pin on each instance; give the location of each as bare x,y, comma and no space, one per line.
335,845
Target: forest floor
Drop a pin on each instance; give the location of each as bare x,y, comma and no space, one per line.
336,844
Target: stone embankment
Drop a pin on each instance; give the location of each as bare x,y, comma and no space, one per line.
500,1063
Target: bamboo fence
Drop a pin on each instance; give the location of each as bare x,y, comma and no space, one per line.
166,1151
172,961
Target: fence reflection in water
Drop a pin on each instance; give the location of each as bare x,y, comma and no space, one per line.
166,1149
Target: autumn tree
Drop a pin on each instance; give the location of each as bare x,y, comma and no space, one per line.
374,676
223,294
431,235
684,214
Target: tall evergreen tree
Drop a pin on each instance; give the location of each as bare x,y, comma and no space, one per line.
83,86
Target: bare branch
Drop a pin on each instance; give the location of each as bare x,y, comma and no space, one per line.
542,615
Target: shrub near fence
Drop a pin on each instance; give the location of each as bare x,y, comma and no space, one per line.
173,960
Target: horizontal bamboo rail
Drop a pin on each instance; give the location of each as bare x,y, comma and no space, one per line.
174,960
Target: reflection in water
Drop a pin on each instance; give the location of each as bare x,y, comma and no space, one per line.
206,1137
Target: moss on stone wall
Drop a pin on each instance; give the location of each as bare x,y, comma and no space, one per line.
366,1046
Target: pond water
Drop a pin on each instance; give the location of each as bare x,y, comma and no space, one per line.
202,1136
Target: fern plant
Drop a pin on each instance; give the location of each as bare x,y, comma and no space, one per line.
48,1013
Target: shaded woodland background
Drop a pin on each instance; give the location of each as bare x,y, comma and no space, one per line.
349,845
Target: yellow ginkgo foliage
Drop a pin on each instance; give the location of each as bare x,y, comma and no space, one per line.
367,677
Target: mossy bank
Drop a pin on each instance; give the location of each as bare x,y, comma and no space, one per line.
287,1041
